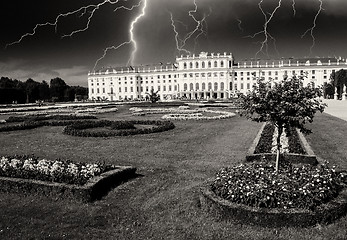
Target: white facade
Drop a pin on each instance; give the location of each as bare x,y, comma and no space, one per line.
204,76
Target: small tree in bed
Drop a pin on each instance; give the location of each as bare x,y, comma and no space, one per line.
153,96
285,104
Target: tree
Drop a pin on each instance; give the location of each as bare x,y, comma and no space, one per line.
339,80
286,104
57,89
153,96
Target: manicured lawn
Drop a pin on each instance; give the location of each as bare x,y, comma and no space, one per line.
163,202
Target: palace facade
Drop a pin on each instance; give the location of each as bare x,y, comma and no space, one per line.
206,76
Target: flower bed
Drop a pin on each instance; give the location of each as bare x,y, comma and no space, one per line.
82,129
58,179
180,116
297,150
254,193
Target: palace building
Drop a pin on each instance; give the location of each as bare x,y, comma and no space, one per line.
206,76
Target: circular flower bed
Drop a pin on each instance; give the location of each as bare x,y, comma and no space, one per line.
254,193
115,128
46,170
258,185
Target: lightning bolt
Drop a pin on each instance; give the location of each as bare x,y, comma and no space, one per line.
81,10
201,28
131,31
294,9
131,34
310,30
267,35
177,38
239,24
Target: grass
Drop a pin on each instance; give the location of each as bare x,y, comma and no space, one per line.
162,203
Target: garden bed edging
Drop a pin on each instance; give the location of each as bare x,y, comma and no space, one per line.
94,189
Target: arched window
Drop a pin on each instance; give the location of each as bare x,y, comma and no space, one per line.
203,65
209,86
215,86
209,64
197,65
203,86
190,65
215,64
221,64
222,86
191,87
111,90
185,86
197,86
185,65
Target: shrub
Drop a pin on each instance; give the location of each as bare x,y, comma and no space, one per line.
48,117
258,185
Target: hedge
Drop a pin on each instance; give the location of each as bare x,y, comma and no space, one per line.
80,129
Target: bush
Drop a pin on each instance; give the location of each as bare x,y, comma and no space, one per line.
48,117
80,129
258,185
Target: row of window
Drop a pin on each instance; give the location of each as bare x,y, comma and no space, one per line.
169,76
197,75
138,89
203,64
203,86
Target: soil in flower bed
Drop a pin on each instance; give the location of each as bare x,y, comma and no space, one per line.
265,142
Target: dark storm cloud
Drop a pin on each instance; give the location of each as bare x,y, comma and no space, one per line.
228,24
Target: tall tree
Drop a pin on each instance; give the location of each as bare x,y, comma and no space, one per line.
286,104
339,80
57,89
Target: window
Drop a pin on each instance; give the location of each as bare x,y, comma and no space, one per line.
190,65
158,88
203,86
313,71
241,73
164,88
125,89
269,73
120,89
197,65
248,86
215,86
235,74
222,86
235,86
185,65
276,73
202,74
170,88
222,74
131,89
209,86
241,85
221,64
209,74
215,74
103,90
215,64
111,90
203,65
191,87
191,75
209,64
197,86
185,75
92,91
197,75
185,86
248,73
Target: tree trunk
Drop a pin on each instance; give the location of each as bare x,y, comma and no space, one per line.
280,131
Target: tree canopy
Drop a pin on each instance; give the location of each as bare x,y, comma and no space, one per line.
285,104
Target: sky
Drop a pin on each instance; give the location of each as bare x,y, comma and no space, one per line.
208,25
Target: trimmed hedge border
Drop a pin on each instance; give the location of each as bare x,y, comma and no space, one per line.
48,117
294,158
94,189
80,129
222,209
